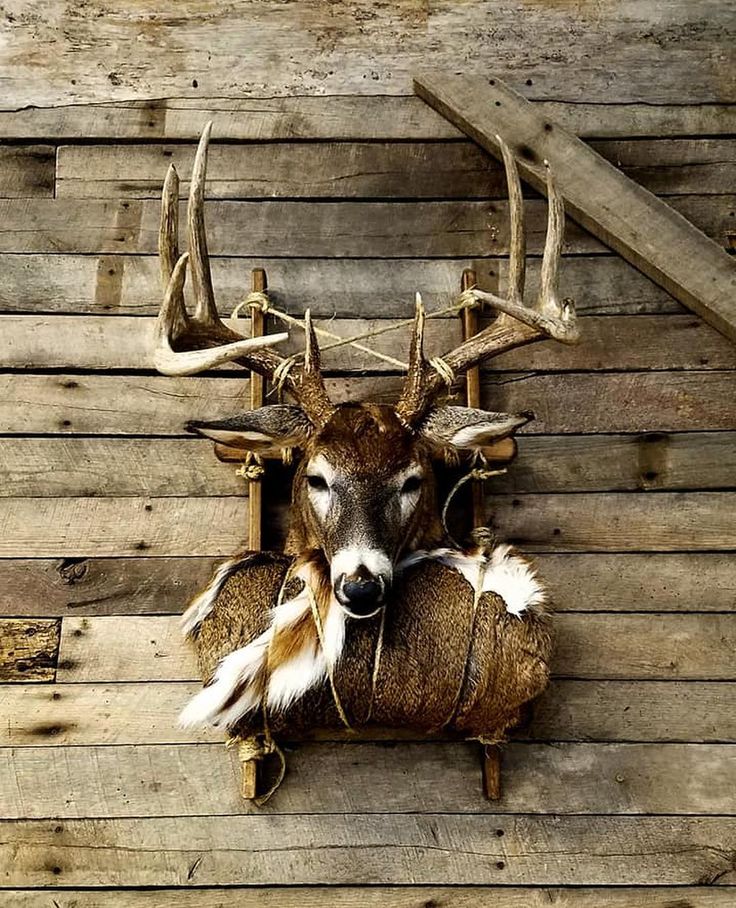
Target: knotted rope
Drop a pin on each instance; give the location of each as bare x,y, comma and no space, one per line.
480,473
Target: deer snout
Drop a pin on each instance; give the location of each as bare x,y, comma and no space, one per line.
360,594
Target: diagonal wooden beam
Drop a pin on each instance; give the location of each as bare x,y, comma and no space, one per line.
640,227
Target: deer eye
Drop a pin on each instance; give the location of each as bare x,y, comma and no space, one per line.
412,484
316,482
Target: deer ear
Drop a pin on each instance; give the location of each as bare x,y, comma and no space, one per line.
277,426
466,428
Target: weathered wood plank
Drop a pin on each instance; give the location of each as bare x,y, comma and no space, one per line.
324,51
108,527
630,220
359,849
336,229
84,467
55,527
379,897
618,522
628,647
624,402
333,117
28,649
202,779
677,582
567,403
27,171
97,586
370,170
131,713
610,342
130,284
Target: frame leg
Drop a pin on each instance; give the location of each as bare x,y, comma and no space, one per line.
492,771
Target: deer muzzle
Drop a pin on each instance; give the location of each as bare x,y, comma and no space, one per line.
361,587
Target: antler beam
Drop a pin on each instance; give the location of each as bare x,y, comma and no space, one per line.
187,344
518,324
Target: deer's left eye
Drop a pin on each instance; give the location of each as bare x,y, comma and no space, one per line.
412,484
317,482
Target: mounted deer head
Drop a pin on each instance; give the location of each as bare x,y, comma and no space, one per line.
364,490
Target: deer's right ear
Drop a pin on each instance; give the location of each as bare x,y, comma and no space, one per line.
277,426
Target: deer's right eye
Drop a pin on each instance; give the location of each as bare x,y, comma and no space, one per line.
317,482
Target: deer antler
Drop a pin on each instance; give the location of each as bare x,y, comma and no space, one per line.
185,344
518,324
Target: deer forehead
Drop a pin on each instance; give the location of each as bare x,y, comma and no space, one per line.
319,464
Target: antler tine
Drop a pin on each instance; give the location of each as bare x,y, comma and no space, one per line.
204,295
169,327
173,315
517,237
309,387
411,400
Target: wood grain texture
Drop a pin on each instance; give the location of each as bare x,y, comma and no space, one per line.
618,522
610,342
179,50
354,170
628,647
86,467
202,779
40,715
627,218
567,403
130,284
28,649
427,229
57,527
27,171
378,897
333,117
358,849
673,582
598,522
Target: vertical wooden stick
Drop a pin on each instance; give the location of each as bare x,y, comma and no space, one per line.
471,322
255,491
249,768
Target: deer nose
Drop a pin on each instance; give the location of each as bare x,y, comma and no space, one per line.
361,596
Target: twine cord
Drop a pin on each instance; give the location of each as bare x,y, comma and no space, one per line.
330,667
260,300
479,473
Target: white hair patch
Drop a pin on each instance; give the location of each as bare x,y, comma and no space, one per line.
201,606
504,573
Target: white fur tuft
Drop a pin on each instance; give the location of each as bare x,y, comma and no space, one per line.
288,682
203,604
504,573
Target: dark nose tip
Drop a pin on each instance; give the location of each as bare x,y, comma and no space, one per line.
362,597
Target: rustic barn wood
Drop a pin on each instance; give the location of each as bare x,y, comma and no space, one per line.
626,217
42,715
352,203
178,851
378,897
633,647
369,288
672,582
200,779
58,403
585,54
28,649
611,342
353,118
599,522
27,171
452,229
85,467
371,170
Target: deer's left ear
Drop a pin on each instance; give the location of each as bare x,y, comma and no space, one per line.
264,430
466,428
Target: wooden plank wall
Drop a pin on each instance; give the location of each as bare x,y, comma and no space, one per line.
622,793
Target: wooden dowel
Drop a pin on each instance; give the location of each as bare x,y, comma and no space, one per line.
255,491
249,779
492,772
471,323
